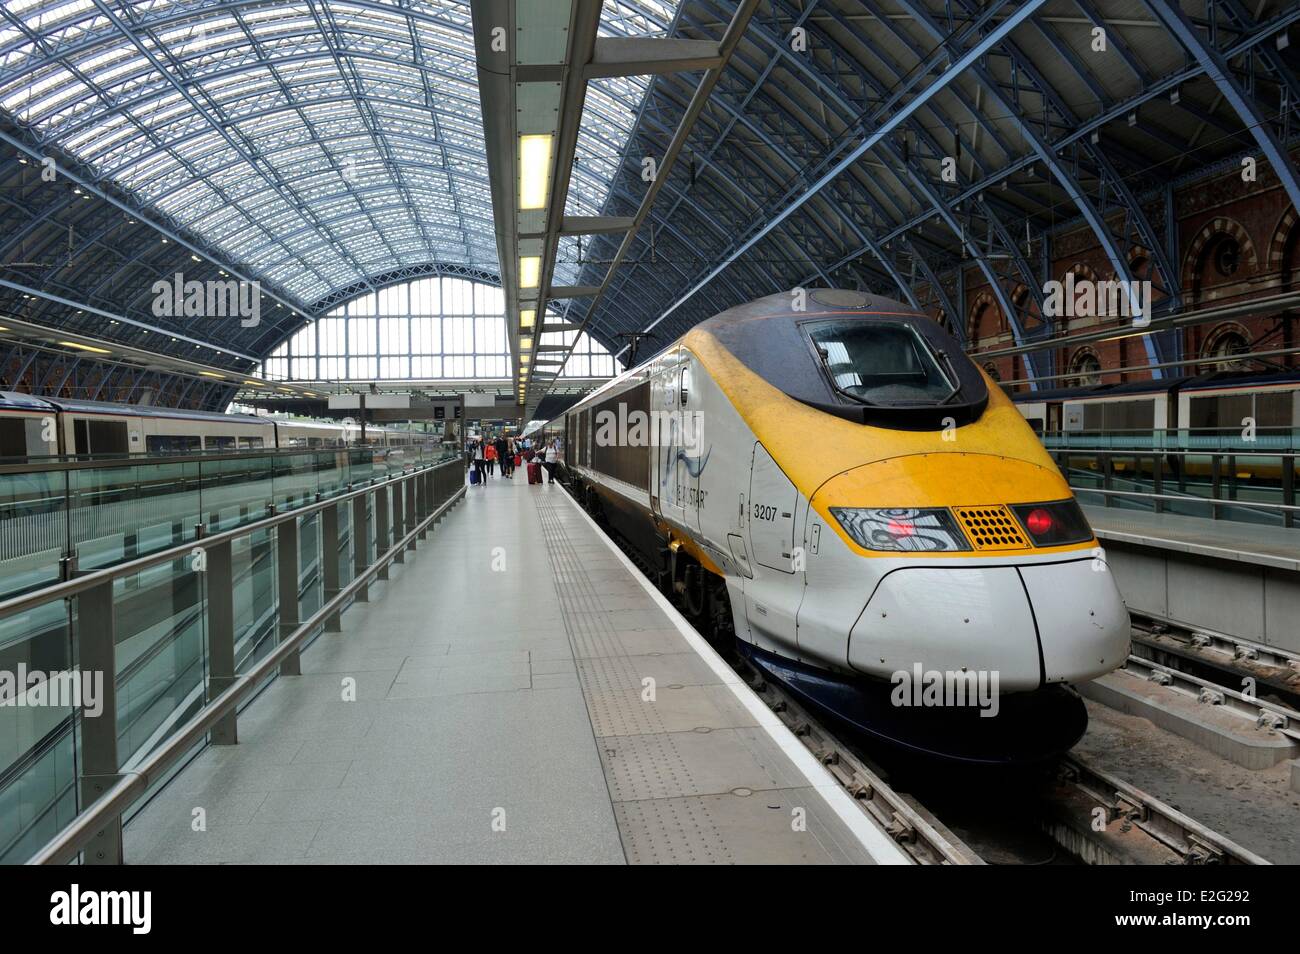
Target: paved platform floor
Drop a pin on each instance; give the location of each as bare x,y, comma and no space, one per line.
503,714
1276,547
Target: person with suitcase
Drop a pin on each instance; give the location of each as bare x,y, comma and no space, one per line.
534,472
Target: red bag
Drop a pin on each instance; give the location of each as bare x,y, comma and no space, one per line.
534,472
518,461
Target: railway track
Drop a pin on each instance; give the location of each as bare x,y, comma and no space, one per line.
1218,658
1092,815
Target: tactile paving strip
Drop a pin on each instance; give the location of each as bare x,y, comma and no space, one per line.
642,767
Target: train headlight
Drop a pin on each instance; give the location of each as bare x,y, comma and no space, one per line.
910,531
1054,524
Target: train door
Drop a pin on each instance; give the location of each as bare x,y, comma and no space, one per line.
668,483
772,604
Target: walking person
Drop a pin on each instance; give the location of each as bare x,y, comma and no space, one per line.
551,459
490,456
503,455
480,462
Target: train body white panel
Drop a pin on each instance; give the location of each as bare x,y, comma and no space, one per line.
950,619
1082,623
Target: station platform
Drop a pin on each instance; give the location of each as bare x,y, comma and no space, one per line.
1276,547
522,694
1224,576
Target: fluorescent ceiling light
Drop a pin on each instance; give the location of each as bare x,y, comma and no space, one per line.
534,171
525,343
523,359
530,270
212,374
84,347
526,317
256,384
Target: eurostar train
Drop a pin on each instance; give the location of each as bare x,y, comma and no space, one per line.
848,499
99,428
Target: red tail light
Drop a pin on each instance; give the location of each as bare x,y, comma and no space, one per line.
1039,522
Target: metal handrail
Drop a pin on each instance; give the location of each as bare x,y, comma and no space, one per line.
79,584
1185,498
108,807
91,462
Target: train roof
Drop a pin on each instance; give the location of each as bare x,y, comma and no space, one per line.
103,407
17,401
1200,382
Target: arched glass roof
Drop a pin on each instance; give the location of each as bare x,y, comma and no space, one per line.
317,143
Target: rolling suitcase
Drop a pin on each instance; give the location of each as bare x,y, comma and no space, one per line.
473,476
534,472
519,461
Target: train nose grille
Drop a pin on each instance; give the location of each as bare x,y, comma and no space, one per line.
991,528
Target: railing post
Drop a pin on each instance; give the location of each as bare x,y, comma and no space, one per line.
360,545
412,512
221,636
1158,480
381,527
422,498
1287,464
1216,481
329,532
97,656
286,566
399,520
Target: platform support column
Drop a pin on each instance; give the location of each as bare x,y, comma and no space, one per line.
422,498
360,545
399,521
329,533
221,637
381,527
97,661
286,543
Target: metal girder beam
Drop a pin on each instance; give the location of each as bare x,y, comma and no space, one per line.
595,224
642,56
903,111
1220,73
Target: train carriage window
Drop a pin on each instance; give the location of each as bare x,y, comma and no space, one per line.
251,442
1130,416
100,437
219,442
1274,410
172,443
1219,411
13,437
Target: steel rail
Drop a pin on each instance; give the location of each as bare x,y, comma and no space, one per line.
1185,836
66,845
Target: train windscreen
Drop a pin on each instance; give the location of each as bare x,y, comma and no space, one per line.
883,363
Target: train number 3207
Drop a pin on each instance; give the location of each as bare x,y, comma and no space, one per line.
764,512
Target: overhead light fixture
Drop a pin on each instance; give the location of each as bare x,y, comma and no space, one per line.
3,328
525,343
212,374
84,347
309,393
534,170
256,384
530,270
524,359
527,317
285,390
